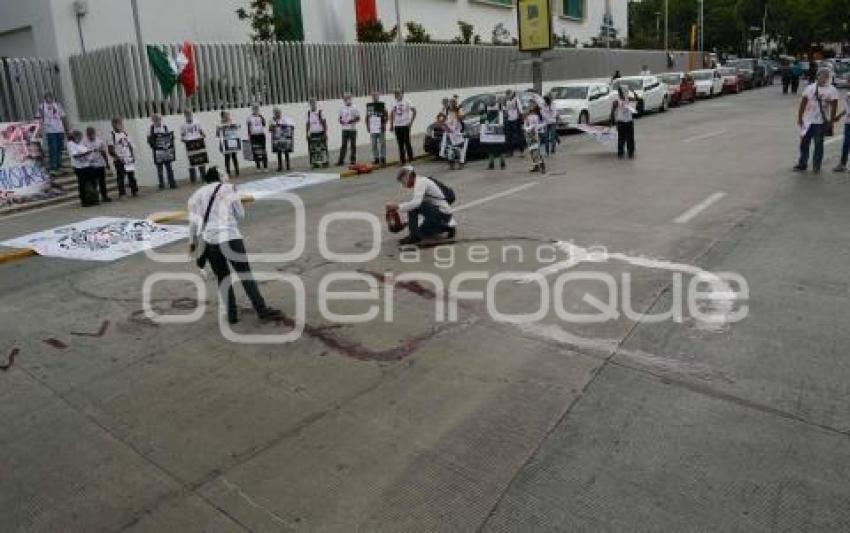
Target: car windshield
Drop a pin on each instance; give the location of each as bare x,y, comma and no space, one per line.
728,72
672,79
570,93
629,83
701,75
474,104
741,63
842,68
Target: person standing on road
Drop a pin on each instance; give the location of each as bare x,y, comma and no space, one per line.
193,137
513,124
815,119
257,133
428,202
534,127
796,74
401,122
229,143
214,214
492,131
161,141
622,114
123,153
317,136
845,147
98,162
551,121
54,124
376,124
80,155
282,130
349,116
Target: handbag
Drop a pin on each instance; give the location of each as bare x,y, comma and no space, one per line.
201,248
828,125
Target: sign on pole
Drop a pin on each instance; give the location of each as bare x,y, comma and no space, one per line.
534,20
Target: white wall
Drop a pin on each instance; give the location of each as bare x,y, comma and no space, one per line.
32,14
440,17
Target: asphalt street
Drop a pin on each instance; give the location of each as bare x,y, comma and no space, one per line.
112,422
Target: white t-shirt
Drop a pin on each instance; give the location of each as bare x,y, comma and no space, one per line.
123,146
79,153
347,114
191,131
97,147
402,113
548,114
533,123
226,212
256,125
314,119
513,108
812,114
51,116
425,190
623,110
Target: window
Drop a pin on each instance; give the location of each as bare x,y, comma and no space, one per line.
573,9
505,3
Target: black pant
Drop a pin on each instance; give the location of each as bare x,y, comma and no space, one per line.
795,84
98,174
231,257
228,158
405,149
626,138
86,186
161,170
348,137
433,221
514,137
786,82
280,158
122,175
258,148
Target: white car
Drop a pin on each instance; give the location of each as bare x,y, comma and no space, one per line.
582,102
709,83
650,93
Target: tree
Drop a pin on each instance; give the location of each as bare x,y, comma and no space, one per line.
266,25
467,32
372,31
501,35
416,33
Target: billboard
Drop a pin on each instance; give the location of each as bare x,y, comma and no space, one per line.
534,21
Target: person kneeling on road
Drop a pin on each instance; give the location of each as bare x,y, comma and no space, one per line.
431,202
214,214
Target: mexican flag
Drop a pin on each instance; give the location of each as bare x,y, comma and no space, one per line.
171,70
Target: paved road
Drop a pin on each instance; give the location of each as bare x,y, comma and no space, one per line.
476,423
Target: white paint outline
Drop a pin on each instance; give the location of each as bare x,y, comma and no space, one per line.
693,212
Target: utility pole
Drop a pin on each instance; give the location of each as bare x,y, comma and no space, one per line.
137,23
666,27
397,23
701,33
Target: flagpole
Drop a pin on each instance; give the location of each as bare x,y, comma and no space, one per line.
135,5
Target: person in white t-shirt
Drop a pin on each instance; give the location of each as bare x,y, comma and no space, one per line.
845,147
191,133
80,155
816,114
622,114
257,133
513,123
428,210
317,136
54,125
123,152
229,142
98,161
376,125
402,116
282,130
349,116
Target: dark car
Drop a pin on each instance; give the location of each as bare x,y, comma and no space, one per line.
471,109
757,74
680,87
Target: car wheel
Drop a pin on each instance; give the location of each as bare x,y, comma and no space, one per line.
584,118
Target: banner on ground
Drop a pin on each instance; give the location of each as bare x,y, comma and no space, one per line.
278,184
100,239
22,172
603,135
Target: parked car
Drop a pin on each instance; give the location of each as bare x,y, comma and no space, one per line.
757,70
733,81
680,87
471,109
650,93
709,82
582,102
841,78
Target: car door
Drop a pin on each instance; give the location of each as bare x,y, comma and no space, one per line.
718,82
652,94
604,104
594,100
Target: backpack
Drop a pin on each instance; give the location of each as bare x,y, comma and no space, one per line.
448,192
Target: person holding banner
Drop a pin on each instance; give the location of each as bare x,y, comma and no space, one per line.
493,131
376,125
123,153
401,122
283,137
623,114
161,141
455,143
229,143
98,162
194,138
257,134
80,157
349,116
534,127
317,136
513,124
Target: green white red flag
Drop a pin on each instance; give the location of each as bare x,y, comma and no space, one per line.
171,70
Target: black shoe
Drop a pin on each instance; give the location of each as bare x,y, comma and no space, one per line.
135,193
502,165
799,168
270,314
451,232
491,166
376,162
410,239
232,320
621,156
161,187
340,163
174,185
383,162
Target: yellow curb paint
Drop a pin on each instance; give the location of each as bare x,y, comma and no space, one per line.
170,216
15,255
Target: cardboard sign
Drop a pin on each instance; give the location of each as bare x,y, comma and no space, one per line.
22,173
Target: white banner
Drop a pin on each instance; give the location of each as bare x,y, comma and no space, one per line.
603,135
100,239
21,171
270,186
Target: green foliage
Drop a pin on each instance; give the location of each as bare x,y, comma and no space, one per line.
265,25
416,33
467,32
373,32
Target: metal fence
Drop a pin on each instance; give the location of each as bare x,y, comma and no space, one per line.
23,82
118,80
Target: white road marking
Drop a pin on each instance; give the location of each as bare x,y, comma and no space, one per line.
496,196
692,213
704,136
